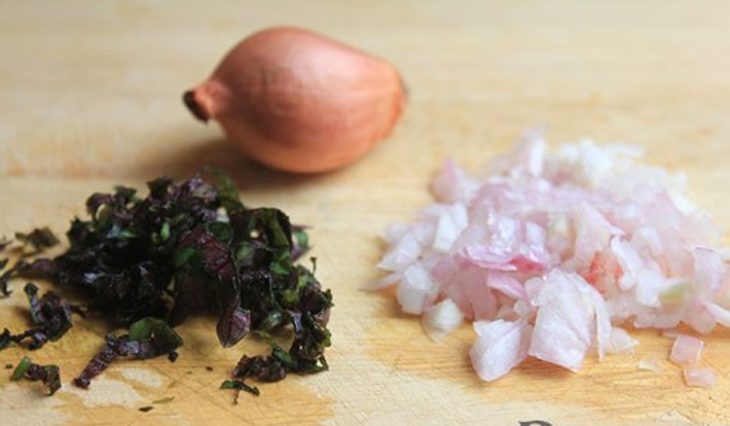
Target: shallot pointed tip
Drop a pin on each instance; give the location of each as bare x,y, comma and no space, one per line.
194,106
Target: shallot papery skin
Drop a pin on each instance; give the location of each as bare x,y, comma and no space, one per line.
549,253
298,101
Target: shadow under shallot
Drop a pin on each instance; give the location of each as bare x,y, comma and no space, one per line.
224,156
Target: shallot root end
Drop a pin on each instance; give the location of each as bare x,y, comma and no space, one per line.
194,107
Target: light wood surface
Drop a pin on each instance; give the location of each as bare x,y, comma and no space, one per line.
90,97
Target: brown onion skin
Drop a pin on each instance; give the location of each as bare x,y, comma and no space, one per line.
298,101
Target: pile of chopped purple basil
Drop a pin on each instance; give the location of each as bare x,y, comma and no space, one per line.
148,263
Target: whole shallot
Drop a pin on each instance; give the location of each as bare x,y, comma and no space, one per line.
298,101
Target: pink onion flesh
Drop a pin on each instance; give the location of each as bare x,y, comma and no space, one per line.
442,318
699,377
650,364
551,252
686,350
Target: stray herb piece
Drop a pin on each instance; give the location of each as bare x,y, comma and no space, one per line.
147,338
22,367
209,368
193,246
263,368
146,408
164,400
300,240
39,268
238,386
51,319
5,278
48,374
38,239
8,366
5,339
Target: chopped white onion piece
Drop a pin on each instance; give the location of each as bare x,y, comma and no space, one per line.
686,350
501,345
442,318
621,342
699,377
451,223
649,364
550,253
416,290
387,281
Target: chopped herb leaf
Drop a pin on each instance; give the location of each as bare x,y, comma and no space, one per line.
146,408
51,319
239,386
183,248
263,368
38,239
39,268
5,279
5,338
48,374
22,367
233,326
147,338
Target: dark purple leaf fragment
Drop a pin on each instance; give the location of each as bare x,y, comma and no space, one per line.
233,326
48,374
263,368
187,247
238,386
5,339
147,338
39,268
5,280
38,239
50,316
99,362
300,241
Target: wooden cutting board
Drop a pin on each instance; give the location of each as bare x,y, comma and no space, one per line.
90,97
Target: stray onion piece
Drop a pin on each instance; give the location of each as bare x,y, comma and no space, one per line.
298,101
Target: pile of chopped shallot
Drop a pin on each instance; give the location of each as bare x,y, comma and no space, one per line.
549,253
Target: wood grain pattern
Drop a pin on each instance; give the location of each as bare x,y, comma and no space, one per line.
90,97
